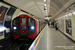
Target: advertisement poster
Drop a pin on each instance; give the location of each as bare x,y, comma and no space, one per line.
68,26
2,14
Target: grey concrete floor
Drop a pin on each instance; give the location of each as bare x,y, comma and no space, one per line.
57,41
54,40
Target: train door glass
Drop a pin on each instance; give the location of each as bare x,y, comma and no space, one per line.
23,23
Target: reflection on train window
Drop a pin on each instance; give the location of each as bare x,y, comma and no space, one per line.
23,23
31,22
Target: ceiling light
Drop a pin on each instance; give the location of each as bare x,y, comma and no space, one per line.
66,15
44,4
70,14
45,7
73,12
44,0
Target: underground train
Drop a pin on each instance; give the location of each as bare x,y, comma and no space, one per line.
25,26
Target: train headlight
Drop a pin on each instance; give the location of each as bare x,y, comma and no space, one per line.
14,28
32,27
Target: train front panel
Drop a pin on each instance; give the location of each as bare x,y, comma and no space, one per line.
24,27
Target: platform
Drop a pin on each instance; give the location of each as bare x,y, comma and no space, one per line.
51,39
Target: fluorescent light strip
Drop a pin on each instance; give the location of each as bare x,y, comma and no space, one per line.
45,0
44,4
73,12
45,7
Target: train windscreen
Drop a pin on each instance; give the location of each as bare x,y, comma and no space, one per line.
31,26
23,23
31,22
16,25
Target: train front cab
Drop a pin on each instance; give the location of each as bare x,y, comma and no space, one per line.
24,26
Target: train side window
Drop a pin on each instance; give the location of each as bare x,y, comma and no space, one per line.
23,23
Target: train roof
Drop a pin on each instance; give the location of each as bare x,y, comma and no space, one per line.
25,15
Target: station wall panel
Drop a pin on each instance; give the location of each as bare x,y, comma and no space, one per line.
73,28
16,13
3,11
7,22
6,13
70,32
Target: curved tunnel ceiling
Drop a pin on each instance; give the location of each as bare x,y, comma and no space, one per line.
36,7
56,5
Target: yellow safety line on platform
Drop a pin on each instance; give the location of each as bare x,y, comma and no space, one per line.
39,38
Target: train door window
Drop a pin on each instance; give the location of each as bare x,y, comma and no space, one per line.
23,23
31,23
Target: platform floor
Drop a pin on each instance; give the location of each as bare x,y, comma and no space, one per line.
52,39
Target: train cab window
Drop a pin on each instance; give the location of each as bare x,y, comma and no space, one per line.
31,23
16,21
23,23
16,24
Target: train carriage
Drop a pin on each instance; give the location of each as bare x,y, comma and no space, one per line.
25,26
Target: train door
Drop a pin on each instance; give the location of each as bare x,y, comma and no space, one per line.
23,25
